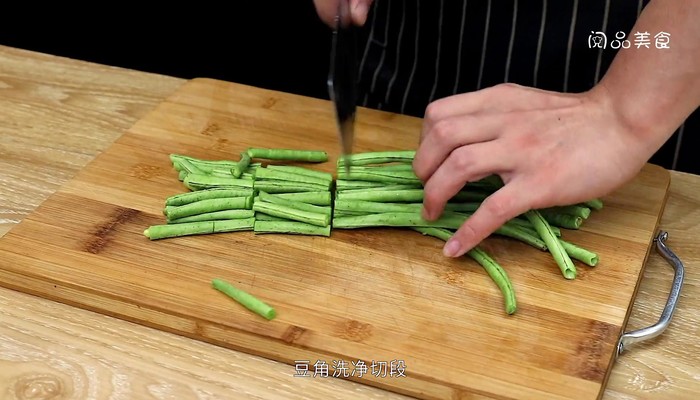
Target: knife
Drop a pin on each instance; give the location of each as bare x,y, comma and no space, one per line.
342,77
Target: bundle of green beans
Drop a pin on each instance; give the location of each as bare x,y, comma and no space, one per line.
381,190
375,189
227,196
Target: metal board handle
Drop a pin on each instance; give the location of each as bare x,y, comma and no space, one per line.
658,328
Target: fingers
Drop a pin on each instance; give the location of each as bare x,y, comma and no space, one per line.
328,9
507,203
359,10
499,98
466,164
449,134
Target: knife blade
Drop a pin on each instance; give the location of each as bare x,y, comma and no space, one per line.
342,77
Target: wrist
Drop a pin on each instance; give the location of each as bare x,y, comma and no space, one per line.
647,119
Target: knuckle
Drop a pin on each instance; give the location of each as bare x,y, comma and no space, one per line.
443,129
432,112
431,195
499,207
467,233
506,87
419,169
462,159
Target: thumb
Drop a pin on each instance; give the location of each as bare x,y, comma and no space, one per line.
503,205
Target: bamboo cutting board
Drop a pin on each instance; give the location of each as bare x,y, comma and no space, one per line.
375,296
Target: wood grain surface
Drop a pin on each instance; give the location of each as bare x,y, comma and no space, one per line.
54,348
375,295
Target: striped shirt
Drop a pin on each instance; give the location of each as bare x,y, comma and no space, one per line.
418,51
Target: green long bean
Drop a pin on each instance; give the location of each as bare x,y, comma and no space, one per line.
290,227
288,154
191,197
492,268
596,204
264,196
448,220
277,186
215,216
245,299
208,205
280,175
379,157
576,252
242,165
387,196
553,244
562,220
155,232
325,176
199,182
388,177
278,210
315,198
573,210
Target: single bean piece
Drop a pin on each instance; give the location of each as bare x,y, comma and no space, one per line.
562,220
270,198
553,244
245,299
210,182
573,210
384,187
386,196
315,198
155,232
595,204
587,257
278,175
191,197
259,216
303,171
277,210
208,205
215,216
494,270
290,227
242,165
379,157
288,154
526,224
388,177
277,186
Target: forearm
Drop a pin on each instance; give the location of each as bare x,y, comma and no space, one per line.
654,90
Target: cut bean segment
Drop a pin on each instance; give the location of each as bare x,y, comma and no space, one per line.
290,227
553,244
245,299
155,232
288,154
494,270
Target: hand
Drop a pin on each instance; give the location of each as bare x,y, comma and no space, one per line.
548,148
327,9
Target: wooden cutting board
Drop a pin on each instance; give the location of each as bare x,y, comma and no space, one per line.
382,296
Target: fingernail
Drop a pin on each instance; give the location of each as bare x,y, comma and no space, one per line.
425,214
451,248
